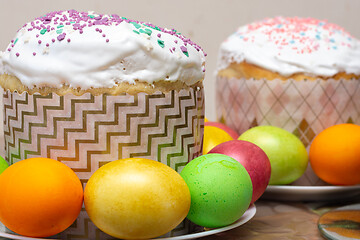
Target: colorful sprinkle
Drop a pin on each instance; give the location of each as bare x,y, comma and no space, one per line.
305,33
146,31
136,25
61,37
184,50
161,43
79,21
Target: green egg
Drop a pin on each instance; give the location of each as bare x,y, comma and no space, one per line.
3,165
220,188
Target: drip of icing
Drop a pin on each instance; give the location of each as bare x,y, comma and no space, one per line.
87,50
293,45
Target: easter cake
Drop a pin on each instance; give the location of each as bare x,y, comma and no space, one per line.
300,74
86,89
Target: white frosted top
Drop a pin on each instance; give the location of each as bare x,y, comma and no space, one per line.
87,50
293,45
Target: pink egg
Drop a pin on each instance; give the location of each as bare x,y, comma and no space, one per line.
227,129
253,158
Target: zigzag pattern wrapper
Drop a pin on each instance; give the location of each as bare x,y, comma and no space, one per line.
304,108
85,132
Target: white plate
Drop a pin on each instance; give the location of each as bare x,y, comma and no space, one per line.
310,193
249,214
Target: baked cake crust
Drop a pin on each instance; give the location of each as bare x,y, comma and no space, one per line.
14,84
248,70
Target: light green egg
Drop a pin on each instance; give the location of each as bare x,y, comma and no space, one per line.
3,164
220,189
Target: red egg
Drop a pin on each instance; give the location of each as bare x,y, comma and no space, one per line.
253,158
227,129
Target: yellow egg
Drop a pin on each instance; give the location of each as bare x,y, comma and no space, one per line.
213,136
136,198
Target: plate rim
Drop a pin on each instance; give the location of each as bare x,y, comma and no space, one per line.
247,216
295,187
310,193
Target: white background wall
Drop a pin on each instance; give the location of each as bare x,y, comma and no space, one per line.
206,22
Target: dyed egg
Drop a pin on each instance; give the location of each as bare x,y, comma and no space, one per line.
335,154
39,197
253,158
220,189
227,129
136,198
287,154
3,164
214,136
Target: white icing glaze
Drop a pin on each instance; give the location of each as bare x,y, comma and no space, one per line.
101,55
293,45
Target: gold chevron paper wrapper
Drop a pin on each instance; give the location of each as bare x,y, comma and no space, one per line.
85,132
304,108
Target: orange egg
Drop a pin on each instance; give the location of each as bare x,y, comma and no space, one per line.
39,197
335,154
213,136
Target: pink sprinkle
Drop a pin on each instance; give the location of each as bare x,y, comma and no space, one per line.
34,53
104,35
9,49
68,40
100,31
81,31
39,41
47,45
17,54
159,35
107,40
53,40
